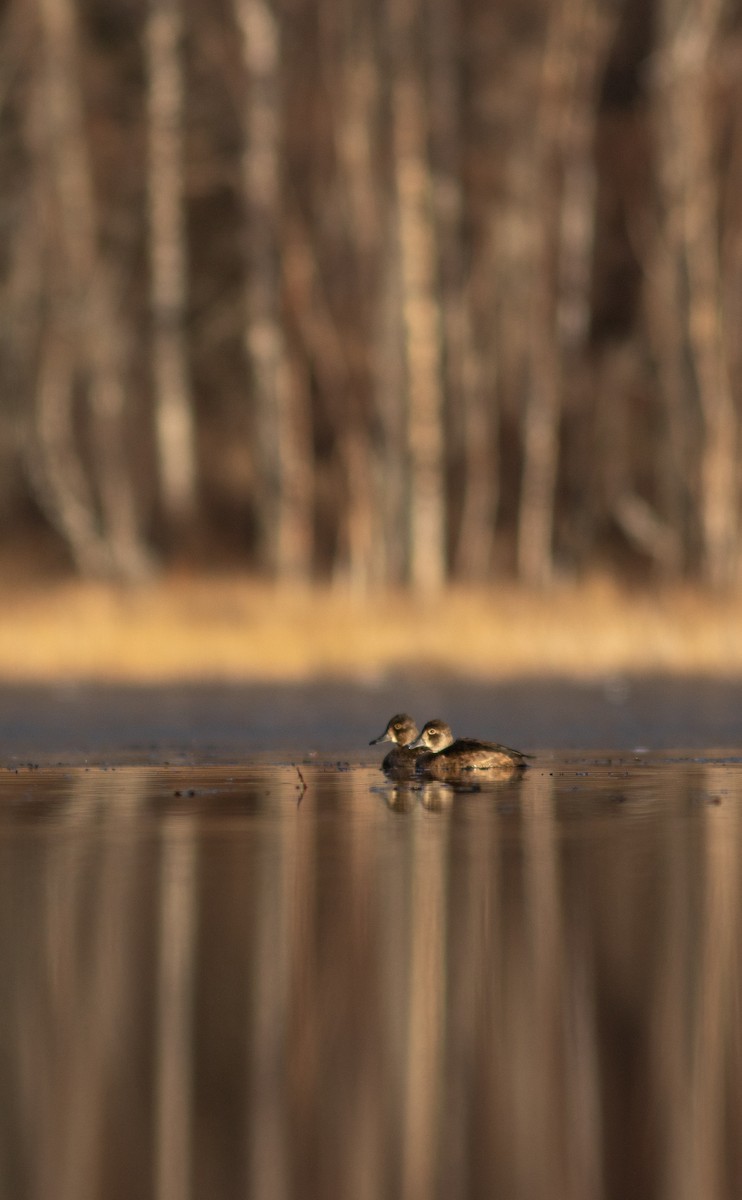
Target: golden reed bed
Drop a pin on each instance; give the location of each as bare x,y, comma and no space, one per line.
184,627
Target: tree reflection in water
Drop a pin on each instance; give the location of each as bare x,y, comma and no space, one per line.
527,990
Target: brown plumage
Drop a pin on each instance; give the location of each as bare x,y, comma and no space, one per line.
460,758
401,729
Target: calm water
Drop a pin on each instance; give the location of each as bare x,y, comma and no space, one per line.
218,984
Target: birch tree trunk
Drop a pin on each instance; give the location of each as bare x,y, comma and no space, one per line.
390,458
357,120
543,378
421,313
46,355
562,187
664,288
323,343
472,407
56,471
87,309
687,137
174,421
285,502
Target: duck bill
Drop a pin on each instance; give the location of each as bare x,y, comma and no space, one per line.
418,744
383,737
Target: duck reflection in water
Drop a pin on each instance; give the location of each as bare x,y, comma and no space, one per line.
404,797
463,759
401,761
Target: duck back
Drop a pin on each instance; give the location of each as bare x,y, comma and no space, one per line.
401,761
467,756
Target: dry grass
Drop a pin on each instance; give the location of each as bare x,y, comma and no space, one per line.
233,628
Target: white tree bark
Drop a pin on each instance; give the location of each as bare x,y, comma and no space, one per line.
284,452
421,313
686,141
87,308
562,190
174,420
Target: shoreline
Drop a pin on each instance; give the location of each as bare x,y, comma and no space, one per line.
208,628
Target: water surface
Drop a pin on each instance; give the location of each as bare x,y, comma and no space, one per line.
289,978
224,722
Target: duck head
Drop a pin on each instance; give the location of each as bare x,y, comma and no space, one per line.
400,729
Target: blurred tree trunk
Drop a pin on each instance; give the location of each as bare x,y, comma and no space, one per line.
561,187
664,288
390,457
284,447
168,261
358,124
323,344
61,484
688,134
44,359
84,337
349,67
471,408
478,412
420,304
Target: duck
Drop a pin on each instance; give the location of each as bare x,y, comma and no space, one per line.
402,730
447,758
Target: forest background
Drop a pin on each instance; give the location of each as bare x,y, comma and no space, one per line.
339,334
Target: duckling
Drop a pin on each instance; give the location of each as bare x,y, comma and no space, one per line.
449,758
402,730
